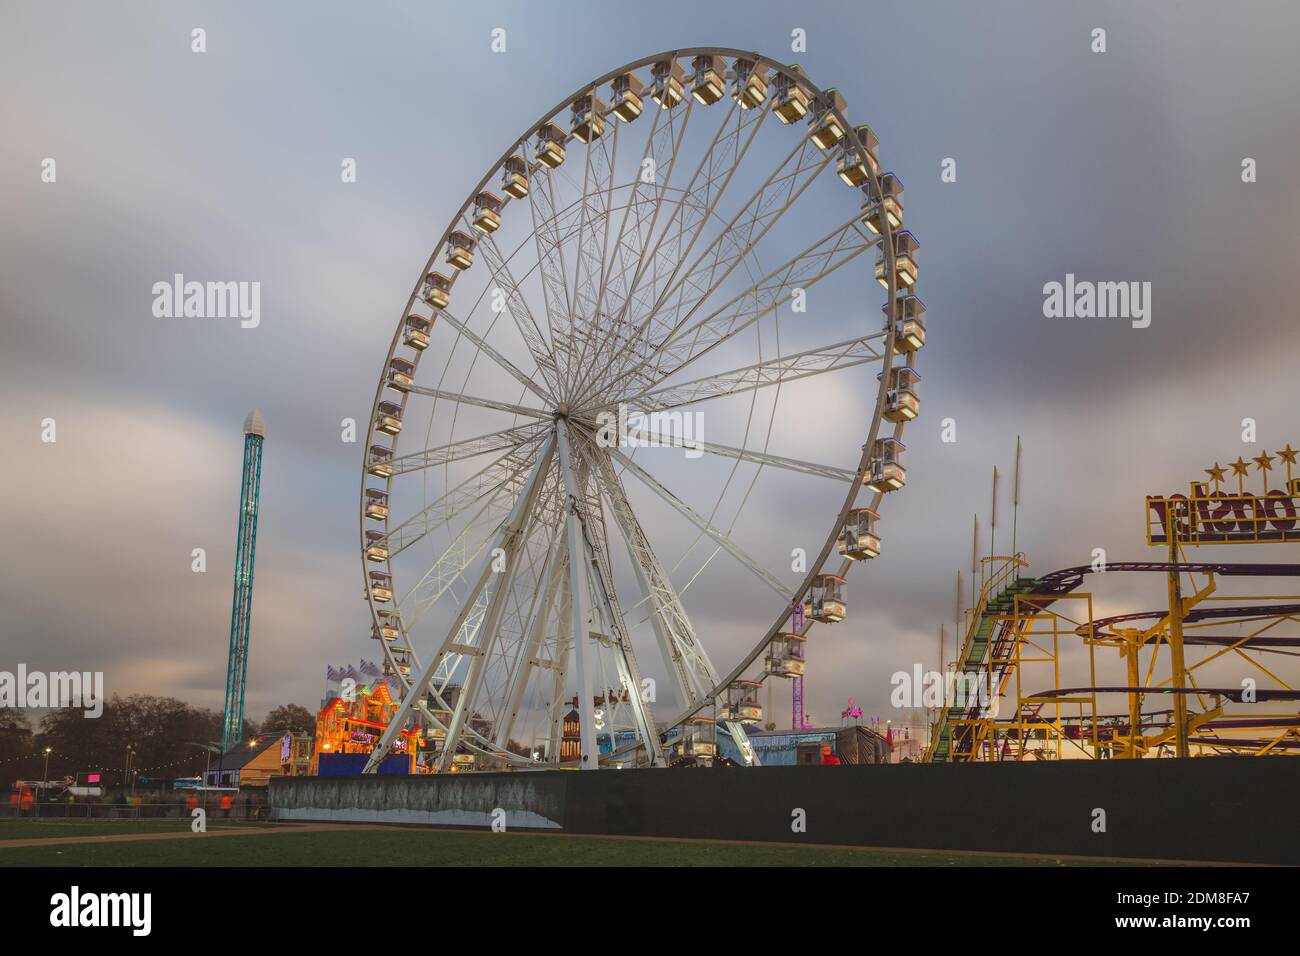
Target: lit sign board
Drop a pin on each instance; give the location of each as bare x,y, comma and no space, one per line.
1202,516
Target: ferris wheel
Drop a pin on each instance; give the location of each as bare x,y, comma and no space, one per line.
559,562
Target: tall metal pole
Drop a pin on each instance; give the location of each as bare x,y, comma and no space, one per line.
993,523
1177,661
1015,498
241,611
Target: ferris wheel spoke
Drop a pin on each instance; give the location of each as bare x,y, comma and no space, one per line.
803,271
528,659
512,636
678,237
549,244
777,371
476,647
670,439
684,656
468,448
507,539
700,522
592,245
445,572
496,356
692,212
648,190
683,298
517,307
488,479
461,397
594,598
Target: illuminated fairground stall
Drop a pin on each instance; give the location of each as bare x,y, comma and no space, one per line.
356,710
1203,674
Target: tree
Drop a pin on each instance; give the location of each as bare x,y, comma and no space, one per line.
16,746
289,718
158,731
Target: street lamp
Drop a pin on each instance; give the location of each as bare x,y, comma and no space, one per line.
45,774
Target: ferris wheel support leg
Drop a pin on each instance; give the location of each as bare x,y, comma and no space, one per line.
560,667
529,648
625,660
665,609
511,544
741,739
507,539
580,607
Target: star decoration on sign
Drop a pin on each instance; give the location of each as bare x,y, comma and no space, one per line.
1263,462
1216,474
1240,466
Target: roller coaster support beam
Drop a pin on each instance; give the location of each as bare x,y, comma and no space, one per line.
1175,631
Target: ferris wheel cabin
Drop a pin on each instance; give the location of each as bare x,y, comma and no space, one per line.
785,655
742,702
376,545
627,97
379,461
460,250
885,471
790,102
388,418
905,249
698,740
749,88
668,88
416,334
857,160
707,83
826,599
514,177
381,586
909,323
376,504
401,373
858,539
901,401
389,627
437,290
588,121
487,213
824,127
550,145
891,202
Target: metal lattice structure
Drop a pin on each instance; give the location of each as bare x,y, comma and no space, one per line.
630,258
241,610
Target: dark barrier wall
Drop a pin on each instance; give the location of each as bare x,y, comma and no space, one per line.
1214,809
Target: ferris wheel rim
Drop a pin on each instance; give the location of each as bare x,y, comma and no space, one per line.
886,238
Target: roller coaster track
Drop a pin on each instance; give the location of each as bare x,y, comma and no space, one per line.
991,625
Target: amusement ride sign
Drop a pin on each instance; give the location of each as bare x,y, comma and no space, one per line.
1227,517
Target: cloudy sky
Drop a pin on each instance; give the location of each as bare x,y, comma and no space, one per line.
1116,166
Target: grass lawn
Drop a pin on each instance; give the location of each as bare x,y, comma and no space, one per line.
415,847
37,829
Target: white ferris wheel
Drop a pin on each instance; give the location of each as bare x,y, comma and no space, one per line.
547,526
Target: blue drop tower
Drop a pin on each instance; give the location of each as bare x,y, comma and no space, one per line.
241,611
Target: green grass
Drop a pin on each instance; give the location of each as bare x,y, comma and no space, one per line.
413,847
36,829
